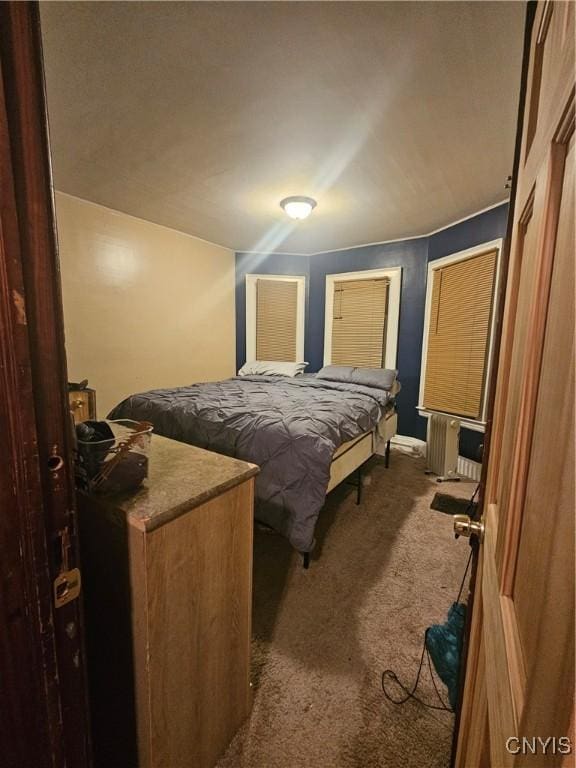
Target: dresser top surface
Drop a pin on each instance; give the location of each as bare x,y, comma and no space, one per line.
180,477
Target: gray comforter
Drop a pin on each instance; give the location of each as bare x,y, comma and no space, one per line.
290,427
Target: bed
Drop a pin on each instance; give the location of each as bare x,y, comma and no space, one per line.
306,433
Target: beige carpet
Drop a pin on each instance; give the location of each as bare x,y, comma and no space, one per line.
382,573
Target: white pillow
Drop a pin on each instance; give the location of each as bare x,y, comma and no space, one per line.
271,368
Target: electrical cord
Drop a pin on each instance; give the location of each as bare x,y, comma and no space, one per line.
390,675
463,582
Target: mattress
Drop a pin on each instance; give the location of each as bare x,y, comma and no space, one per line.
290,427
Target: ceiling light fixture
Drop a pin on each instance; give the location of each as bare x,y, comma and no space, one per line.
297,206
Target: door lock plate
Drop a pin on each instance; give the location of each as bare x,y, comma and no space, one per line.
68,583
67,587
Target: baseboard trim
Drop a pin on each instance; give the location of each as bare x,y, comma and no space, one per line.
466,467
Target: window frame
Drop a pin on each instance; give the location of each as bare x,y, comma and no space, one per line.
251,298
477,425
394,274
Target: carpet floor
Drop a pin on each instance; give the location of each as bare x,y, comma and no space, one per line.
381,573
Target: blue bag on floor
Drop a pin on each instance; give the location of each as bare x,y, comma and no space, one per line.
444,644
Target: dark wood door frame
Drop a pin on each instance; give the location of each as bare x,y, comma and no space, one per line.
42,679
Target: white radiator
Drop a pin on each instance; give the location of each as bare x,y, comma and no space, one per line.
442,446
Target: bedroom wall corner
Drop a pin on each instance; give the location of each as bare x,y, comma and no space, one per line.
144,306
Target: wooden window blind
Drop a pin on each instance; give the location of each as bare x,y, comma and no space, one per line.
276,318
458,335
359,322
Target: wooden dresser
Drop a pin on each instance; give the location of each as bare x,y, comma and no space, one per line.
167,581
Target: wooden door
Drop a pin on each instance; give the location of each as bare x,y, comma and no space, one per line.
43,712
517,705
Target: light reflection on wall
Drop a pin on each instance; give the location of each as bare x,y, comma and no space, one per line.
116,262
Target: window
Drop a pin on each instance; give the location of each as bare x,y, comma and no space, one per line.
361,322
275,318
457,332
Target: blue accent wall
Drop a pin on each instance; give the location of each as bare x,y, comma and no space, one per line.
413,256
487,226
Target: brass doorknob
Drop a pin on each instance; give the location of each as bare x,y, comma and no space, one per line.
464,526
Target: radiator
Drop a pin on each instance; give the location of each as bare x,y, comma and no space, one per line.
442,446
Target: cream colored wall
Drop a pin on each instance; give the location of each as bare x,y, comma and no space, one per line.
144,306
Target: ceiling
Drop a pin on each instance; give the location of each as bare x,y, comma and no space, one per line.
399,118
